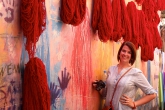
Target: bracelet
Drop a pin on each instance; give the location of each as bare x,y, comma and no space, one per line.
134,107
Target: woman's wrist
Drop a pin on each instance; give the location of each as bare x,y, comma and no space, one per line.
134,105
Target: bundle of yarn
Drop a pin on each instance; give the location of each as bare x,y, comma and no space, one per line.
72,11
33,22
36,94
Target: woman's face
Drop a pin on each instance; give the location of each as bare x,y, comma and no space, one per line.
125,54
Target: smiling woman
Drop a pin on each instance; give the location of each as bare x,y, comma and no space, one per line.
123,82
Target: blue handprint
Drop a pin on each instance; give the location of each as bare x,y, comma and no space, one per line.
65,79
55,93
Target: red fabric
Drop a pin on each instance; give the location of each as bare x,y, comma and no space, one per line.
72,11
102,19
122,26
33,22
134,20
36,94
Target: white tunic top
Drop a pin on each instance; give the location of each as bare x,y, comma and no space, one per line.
128,85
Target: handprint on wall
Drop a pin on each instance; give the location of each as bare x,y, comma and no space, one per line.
55,93
65,79
7,10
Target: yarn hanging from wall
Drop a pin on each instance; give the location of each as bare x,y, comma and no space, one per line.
160,4
152,20
33,22
122,26
139,2
145,38
36,94
102,19
134,20
72,11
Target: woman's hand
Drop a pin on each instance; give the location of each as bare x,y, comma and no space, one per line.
125,100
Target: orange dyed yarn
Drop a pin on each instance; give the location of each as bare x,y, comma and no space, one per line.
134,20
72,11
33,22
36,94
102,19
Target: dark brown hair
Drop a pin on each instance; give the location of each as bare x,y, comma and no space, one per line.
133,51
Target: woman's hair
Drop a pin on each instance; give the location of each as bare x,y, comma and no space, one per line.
133,51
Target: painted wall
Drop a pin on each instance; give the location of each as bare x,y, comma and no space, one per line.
73,56
10,55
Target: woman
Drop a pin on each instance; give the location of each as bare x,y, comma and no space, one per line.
123,98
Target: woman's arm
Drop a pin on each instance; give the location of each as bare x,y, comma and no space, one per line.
128,101
141,82
145,99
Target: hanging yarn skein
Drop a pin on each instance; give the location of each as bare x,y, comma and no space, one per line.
152,20
36,94
160,4
145,38
126,23
72,11
102,19
122,25
134,20
33,22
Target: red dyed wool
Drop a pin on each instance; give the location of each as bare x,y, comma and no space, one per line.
134,20
139,2
102,19
152,20
122,26
160,4
72,11
126,24
33,22
145,41
36,94
142,28
118,31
